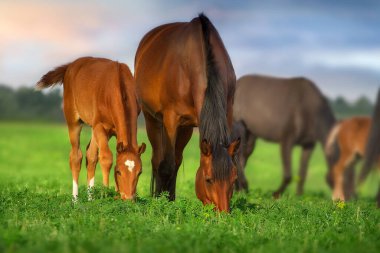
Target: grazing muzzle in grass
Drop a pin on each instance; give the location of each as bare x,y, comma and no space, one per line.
213,187
127,171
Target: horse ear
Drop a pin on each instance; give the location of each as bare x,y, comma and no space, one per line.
234,147
142,148
120,147
205,147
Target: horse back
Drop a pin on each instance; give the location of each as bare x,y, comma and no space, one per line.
170,69
93,89
274,108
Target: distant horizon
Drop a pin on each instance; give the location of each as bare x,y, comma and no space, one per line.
60,88
336,44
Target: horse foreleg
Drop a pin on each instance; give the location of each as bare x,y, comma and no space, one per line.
154,132
307,150
243,155
167,173
75,155
286,153
105,154
349,181
183,137
91,161
338,175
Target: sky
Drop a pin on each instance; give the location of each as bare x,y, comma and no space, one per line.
336,44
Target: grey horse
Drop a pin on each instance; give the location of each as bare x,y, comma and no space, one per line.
288,111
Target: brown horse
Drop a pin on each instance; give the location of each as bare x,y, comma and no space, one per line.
372,154
102,94
185,79
351,137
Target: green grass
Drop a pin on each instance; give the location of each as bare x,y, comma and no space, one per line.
37,215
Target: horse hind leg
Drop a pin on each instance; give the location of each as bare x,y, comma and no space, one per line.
75,155
307,150
91,161
286,153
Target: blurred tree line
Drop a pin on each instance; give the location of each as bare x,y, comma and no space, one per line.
343,109
27,104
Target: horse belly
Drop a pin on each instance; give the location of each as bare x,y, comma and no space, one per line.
266,130
265,122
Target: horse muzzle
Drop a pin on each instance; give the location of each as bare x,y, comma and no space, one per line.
124,196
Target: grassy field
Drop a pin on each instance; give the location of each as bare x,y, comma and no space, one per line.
37,215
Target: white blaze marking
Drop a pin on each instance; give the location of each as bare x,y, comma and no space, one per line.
75,190
92,182
130,164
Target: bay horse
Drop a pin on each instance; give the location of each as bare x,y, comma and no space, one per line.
350,136
288,111
372,154
102,94
185,79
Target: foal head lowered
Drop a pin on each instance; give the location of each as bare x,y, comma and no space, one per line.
127,170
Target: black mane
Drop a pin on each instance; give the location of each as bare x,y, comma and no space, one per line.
213,121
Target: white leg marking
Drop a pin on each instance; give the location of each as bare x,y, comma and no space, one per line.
75,190
92,182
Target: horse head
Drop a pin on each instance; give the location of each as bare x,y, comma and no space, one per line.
217,174
128,169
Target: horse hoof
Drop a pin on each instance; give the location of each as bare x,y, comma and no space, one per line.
338,198
276,195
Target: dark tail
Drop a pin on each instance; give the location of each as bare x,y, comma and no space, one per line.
52,77
372,151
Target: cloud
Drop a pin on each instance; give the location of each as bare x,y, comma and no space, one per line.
335,43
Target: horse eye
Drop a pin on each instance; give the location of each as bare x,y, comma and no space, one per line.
118,173
209,180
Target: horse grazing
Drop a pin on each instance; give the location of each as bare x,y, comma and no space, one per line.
350,136
372,154
185,79
287,111
102,94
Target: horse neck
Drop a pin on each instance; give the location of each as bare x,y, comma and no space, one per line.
126,127
126,120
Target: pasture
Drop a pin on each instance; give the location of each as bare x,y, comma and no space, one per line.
37,215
